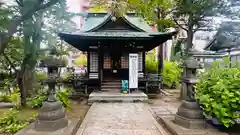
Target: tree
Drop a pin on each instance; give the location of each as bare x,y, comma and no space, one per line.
194,15
17,20
155,12
32,31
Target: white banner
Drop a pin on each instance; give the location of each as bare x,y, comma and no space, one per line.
133,70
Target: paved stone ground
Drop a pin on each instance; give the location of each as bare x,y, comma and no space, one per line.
165,105
120,119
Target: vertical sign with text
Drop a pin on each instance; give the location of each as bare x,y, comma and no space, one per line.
133,70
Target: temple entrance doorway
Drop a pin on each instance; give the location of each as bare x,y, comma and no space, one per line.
112,66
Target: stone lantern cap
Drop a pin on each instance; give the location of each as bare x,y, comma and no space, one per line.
52,62
191,62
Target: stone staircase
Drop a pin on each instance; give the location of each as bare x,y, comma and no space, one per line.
111,92
111,86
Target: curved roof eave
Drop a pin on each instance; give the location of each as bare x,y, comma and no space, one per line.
104,21
126,19
209,45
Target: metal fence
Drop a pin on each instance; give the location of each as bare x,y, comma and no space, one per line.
208,59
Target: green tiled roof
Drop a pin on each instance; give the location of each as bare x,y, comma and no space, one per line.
227,37
95,20
115,34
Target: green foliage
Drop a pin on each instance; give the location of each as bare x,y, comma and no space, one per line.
171,74
218,92
13,55
67,76
5,98
62,96
153,12
15,96
151,63
37,101
171,70
80,61
10,123
41,76
193,15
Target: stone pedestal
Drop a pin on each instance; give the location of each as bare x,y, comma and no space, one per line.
51,117
189,119
70,129
190,115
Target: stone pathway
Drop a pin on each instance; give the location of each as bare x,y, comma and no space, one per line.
166,105
120,119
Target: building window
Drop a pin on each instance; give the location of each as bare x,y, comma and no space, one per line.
93,62
107,61
124,60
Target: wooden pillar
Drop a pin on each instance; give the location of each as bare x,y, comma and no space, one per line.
160,59
100,63
88,63
144,60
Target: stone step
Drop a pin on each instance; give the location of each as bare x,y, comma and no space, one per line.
110,89
111,86
117,97
111,83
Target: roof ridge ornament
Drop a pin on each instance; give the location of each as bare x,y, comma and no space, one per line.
113,18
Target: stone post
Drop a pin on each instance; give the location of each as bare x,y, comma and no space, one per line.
51,116
189,114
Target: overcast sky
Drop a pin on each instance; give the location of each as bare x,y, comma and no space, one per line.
74,6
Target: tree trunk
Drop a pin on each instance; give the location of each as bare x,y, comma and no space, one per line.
190,33
4,38
189,44
20,81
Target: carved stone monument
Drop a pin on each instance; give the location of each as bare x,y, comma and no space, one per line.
189,119
51,119
51,116
189,113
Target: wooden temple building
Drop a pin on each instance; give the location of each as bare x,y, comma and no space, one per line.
108,41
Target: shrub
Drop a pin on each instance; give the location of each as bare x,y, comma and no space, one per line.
67,76
15,96
171,74
151,64
40,76
218,93
80,61
171,70
5,98
37,101
62,96
10,123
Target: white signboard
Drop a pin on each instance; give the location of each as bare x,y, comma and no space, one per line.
133,71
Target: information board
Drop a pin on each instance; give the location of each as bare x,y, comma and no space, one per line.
133,70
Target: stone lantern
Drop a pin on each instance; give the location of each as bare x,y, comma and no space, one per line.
189,114
51,116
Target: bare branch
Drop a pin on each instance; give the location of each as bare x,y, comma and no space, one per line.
179,25
19,2
200,26
9,61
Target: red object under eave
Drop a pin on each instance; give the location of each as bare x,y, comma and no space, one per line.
154,28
